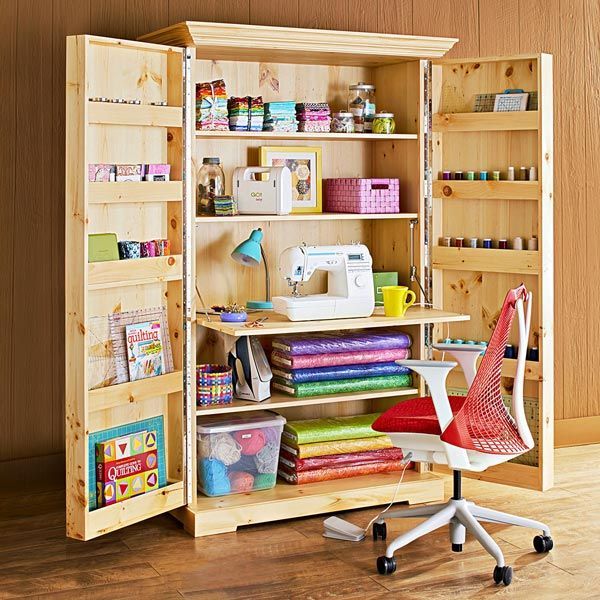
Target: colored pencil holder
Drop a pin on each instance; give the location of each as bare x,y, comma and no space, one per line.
214,385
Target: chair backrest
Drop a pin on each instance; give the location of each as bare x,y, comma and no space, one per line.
483,422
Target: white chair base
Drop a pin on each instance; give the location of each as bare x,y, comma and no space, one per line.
461,516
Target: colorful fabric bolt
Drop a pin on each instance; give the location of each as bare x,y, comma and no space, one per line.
314,361
338,447
328,474
313,117
211,106
341,372
338,460
328,429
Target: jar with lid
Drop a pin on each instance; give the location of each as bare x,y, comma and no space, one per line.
384,123
361,103
211,183
342,122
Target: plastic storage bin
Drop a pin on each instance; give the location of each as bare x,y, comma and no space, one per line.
238,454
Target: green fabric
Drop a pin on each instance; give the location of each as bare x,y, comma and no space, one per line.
329,429
359,384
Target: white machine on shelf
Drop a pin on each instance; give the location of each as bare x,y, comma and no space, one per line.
350,291
268,194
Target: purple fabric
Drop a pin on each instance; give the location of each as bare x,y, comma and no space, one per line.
335,343
345,372
313,361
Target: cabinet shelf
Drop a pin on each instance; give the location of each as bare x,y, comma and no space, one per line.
118,273
486,121
306,217
108,113
135,191
486,260
130,511
279,325
134,391
279,400
221,514
305,135
484,190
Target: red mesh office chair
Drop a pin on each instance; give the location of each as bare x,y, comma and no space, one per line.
471,432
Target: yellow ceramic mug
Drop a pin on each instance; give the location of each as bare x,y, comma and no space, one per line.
396,299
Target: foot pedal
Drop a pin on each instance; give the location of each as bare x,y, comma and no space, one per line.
338,529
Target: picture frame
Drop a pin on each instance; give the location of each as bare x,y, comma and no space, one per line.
305,164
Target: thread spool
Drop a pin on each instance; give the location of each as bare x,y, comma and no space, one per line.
483,175
523,174
511,174
510,351
445,175
458,175
496,175
487,243
532,243
447,241
459,242
532,174
533,354
470,175
517,243
503,244
473,242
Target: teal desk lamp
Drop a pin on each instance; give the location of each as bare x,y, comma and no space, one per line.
249,253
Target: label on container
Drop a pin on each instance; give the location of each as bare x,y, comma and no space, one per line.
369,113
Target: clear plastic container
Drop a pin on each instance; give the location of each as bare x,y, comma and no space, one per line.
361,103
211,183
238,454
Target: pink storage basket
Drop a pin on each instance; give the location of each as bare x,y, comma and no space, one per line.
362,195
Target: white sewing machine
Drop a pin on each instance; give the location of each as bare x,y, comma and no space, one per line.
350,290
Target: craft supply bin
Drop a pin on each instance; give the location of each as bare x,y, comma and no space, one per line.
238,454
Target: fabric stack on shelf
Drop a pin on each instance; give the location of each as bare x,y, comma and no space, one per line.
211,106
335,448
340,363
313,117
280,116
246,113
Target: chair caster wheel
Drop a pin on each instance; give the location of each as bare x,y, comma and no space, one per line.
385,565
503,575
543,543
457,547
379,531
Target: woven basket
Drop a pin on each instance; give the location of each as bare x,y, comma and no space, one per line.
214,385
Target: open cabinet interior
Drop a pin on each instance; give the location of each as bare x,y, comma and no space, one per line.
475,280
466,288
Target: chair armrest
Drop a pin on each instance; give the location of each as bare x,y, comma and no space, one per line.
466,355
435,373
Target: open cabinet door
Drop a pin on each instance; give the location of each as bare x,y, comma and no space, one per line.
467,135
104,294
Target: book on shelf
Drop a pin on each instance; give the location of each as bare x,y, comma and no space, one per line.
145,354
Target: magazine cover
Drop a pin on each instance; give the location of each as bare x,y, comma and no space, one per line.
144,350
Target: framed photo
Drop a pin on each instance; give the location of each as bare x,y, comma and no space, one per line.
305,164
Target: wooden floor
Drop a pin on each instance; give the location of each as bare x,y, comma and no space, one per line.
291,560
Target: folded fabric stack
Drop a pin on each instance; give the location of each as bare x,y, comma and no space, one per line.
335,448
246,113
280,116
335,363
211,106
313,116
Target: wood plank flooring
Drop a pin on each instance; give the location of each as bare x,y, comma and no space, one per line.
291,560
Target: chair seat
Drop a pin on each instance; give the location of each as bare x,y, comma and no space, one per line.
416,415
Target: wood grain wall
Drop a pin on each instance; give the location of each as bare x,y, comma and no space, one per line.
32,55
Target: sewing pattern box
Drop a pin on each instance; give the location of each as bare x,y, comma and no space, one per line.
145,350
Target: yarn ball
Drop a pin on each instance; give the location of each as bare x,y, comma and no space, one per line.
272,434
241,481
246,463
264,481
251,440
266,458
213,477
220,446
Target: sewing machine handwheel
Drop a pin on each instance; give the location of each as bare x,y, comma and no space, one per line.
379,531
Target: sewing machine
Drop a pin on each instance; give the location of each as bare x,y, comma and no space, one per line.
350,290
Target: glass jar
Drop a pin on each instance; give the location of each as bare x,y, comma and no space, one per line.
211,183
384,123
361,103
342,122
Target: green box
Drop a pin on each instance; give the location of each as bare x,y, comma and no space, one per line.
102,247
381,278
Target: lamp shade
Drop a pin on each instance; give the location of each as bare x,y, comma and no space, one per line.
248,252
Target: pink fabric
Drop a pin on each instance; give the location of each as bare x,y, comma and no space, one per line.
307,361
